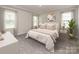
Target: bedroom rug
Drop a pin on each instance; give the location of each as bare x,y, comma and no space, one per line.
62,46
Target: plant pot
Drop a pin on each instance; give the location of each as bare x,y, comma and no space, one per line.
71,36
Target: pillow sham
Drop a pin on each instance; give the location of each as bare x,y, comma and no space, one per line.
51,26
42,26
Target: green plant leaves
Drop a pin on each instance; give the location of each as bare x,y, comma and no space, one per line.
72,25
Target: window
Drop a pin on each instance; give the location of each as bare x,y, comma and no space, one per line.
9,19
65,18
35,20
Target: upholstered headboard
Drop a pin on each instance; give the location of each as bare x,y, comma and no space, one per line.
50,26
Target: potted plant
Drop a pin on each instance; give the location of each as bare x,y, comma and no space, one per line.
71,27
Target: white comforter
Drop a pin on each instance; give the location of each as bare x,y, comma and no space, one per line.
48,37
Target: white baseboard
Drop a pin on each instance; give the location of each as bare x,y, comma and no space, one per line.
20,33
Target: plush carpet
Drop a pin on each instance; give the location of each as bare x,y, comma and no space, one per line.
31,46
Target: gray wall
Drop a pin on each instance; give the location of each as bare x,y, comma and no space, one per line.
78,22
1,19
43,17
23,20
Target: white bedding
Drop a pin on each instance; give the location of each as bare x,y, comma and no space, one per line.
53,34
48,37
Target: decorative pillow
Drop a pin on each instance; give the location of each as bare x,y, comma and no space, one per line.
51,26
42,26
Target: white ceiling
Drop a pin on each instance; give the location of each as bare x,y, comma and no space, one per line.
38,9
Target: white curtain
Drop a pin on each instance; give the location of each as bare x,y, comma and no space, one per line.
9,20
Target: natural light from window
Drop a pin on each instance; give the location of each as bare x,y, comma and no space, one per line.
35,20
9,19
66,16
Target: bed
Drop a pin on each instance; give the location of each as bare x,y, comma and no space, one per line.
47,34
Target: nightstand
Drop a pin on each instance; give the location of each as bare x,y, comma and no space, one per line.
63,31
35,27
63,34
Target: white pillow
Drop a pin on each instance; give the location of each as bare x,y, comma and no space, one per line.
51,26
42,26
